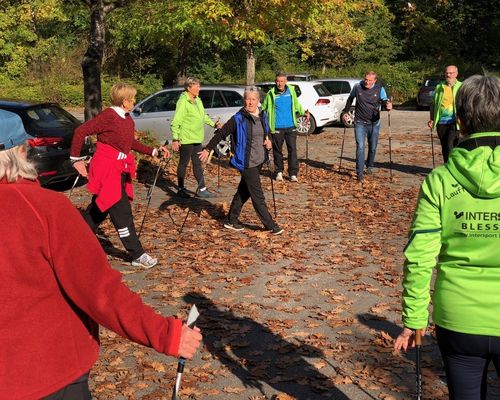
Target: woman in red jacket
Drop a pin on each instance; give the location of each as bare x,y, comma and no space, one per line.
56,286
112,169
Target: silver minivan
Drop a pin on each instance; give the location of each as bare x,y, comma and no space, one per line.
154,114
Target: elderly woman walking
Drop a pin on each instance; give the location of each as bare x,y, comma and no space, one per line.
56,287
250,143
457,223
188,134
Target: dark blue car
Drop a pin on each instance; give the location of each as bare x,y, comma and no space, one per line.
52,129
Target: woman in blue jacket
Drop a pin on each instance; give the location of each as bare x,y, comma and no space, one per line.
249,131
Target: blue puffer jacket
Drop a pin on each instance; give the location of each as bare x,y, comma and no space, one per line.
240,129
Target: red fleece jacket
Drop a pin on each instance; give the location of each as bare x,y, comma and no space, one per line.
56,286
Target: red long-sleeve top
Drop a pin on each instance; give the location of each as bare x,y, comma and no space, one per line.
56,286
115,135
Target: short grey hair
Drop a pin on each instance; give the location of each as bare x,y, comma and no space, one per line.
280,74
190,81
251,89
14,166
477,104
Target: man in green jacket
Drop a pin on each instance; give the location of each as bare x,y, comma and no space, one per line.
443,111
456,228
282,106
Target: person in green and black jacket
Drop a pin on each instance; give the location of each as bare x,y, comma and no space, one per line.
188,134
457,223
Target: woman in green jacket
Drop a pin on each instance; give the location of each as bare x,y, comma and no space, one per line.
456,228
188,134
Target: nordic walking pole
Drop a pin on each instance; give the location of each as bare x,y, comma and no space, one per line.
87,160
390,141
432,148
418,374
307,151
191,322
150,194
218,172
196,193
272,183
342,150
72,187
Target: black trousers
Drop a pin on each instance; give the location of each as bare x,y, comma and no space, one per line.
77,390
448,136
190,152
251,188
289,136
466,358
122,219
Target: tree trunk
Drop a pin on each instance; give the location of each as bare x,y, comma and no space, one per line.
92,60
250,65
182,59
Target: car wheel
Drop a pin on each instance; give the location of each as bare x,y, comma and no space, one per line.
350,119
305,127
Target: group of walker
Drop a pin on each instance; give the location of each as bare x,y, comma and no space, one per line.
57,284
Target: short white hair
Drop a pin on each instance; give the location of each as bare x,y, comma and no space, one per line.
13,165
251,89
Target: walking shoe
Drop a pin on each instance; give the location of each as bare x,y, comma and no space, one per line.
235,226
279,176
205,194
145,261
360,178
294,178
369,171
276,230
182,192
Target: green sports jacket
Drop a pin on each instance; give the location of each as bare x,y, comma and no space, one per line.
268,106
456,228
189,119
438,98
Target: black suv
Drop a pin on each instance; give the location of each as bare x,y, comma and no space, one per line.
52,129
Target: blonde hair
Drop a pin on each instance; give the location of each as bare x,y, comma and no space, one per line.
14,165
121,91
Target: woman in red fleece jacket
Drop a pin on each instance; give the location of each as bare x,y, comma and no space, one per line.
112,169
56,286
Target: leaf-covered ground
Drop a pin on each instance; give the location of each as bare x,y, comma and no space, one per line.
309,314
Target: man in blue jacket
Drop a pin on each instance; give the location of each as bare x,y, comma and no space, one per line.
369,95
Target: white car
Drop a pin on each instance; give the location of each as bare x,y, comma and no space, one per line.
314,97
340,88
154,114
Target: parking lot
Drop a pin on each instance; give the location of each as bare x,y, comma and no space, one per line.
306,315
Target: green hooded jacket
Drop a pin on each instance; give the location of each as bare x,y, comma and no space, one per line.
438,98
457,221
268,106
189,119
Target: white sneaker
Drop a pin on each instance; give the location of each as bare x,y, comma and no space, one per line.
279,176
294,178
145,261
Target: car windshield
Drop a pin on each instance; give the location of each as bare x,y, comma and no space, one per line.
432,82
45,117
321,90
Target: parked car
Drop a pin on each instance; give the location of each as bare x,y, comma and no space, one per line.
340,88
315,98
155,113
52,129
426,92
301,77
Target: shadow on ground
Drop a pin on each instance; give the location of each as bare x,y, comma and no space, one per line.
256,355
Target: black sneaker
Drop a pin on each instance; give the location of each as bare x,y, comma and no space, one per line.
182,192
276,230
235,226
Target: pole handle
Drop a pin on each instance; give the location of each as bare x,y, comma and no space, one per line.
418,337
